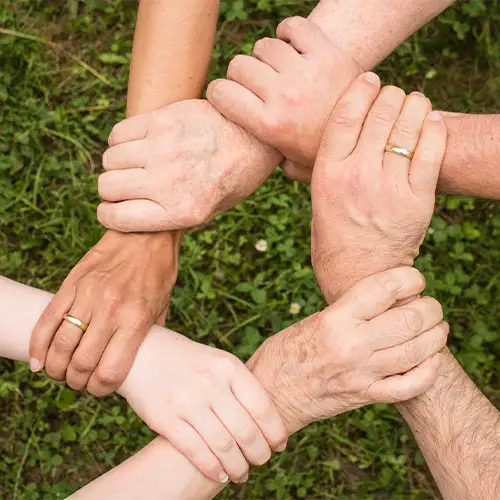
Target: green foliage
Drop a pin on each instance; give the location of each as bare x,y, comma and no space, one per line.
56,115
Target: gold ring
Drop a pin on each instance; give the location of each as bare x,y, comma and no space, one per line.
75,321
390,148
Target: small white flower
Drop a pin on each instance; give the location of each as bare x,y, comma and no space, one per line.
430,230
261,245
295,308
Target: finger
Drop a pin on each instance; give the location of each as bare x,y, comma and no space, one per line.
67,339
380,121
346,121
404,357
131,154
252,74
260,407
403,323
405,134
134,216
244,430
376,294
120,185
134,128
296,172
303,35
88,354
188,442
222,444
48,324
237,104
162,318
277,54
410,385
117,359
428,157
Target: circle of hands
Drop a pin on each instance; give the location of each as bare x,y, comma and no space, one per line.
300,102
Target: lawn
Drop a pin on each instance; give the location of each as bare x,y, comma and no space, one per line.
63,74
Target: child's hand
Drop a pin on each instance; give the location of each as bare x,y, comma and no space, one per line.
372,207
285,93
206,403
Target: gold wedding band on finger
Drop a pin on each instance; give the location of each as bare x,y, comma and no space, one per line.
391,148
75,321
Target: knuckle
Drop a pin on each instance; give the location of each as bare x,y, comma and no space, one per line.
405,128
108,376
247,436
225,444
63,343
412,353
413,320
84,363
272,124
113,298
347,115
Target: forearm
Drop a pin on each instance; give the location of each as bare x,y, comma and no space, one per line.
172,46
458,431
158,470
471,165
369,31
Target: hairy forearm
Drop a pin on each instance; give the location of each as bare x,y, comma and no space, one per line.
172,46
369,31
458,431
471,166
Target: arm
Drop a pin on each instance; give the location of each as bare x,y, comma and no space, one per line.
213,163
294,366
456,427
166,66
458,432
470,165
172,46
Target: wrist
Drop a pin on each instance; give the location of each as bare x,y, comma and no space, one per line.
337,274
163,247
286,366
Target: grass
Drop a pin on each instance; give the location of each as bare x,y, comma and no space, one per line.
62,87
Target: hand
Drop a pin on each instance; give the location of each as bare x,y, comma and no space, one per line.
285,93
178,167
356,352
371,209
206,403
120,288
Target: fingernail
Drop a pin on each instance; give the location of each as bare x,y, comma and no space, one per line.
371,77
223,478
35,365
281,447
435,116
244,479
417,93
110,138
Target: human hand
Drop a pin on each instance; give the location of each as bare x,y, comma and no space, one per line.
284,94
178,167
356,352
206,403
120,288
371,208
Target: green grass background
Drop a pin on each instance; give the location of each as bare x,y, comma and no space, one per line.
55,115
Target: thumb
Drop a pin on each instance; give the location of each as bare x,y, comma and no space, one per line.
379,292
